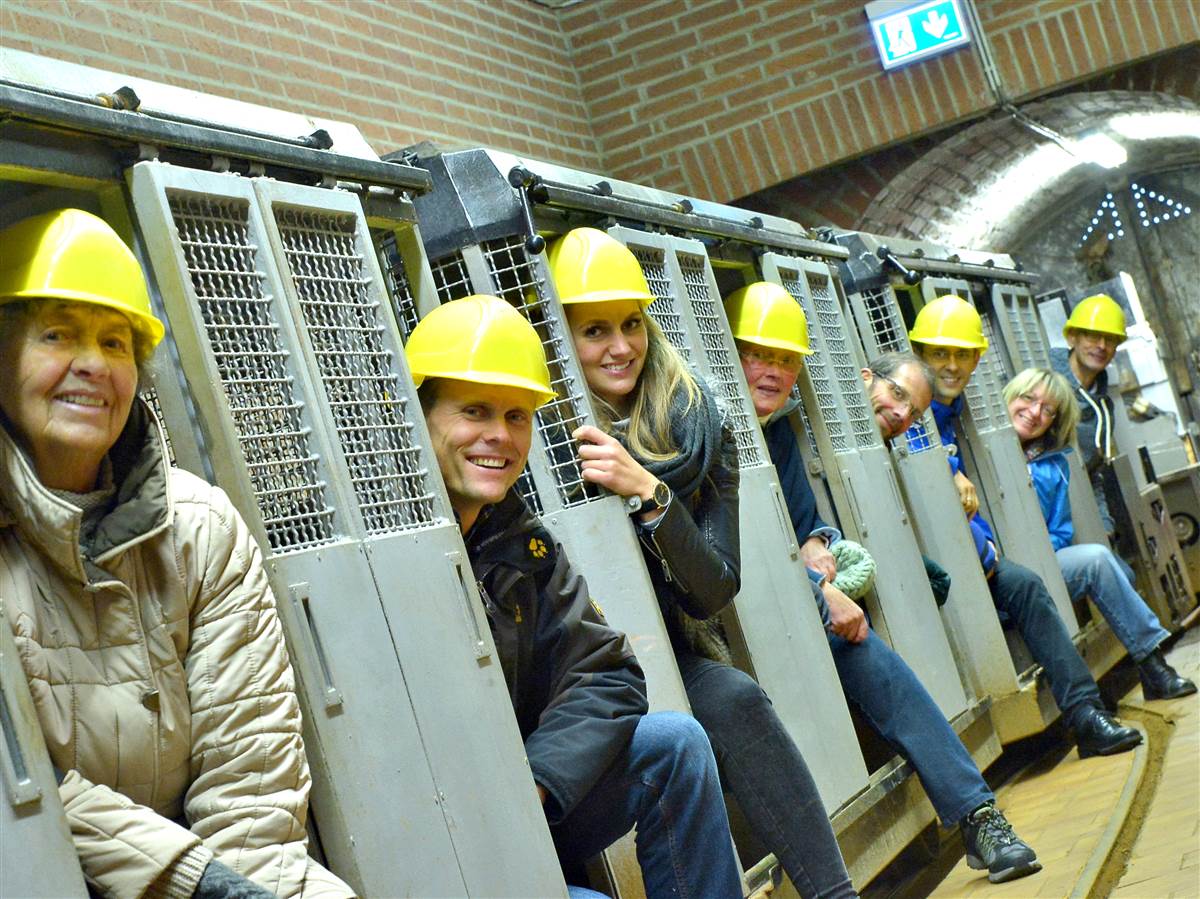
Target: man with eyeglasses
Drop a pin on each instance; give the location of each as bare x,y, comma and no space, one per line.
1093,332
769,328
948,335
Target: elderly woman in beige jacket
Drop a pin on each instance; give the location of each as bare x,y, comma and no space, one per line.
137,597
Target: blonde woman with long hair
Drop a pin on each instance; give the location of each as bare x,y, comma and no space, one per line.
661,444
1044,414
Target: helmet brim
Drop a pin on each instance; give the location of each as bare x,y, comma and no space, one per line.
147,325
496,379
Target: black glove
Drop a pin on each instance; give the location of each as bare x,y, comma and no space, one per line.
220,882
939,580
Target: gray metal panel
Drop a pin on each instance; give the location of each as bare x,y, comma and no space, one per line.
37,855
1021,327
444,647
775,614
989,447
902,607
292,429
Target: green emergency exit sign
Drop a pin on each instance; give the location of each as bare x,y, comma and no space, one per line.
905,31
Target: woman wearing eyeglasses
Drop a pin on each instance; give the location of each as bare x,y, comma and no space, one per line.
1044,414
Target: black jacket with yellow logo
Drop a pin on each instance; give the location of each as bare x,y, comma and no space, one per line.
576,686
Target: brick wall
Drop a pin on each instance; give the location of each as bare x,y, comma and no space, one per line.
720,98
458,72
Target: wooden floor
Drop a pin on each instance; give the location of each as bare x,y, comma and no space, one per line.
1126,826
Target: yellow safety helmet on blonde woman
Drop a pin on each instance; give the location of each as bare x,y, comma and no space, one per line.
589,266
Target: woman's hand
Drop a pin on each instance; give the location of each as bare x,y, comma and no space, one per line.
607,463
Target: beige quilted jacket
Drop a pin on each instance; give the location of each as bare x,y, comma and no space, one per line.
160,678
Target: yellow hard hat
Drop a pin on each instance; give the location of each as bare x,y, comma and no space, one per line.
949,321
588,266
480,339
1098,313
72,255
766,314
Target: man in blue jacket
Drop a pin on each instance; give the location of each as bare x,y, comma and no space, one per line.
600,763
772,339
948,336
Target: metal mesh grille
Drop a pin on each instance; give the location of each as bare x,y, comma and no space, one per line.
528,491
1039,353
451,278
214,235
1006,305
515,278
845,368
818,372
404,304
726,371
884,320
994,373
345,327
665,307
150,395
808,429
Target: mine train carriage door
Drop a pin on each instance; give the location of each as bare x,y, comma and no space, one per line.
289,350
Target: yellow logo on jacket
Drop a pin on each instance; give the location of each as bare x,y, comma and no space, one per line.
537,548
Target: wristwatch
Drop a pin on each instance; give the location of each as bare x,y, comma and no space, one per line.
658,500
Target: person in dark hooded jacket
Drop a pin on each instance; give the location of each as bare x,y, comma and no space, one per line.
600,763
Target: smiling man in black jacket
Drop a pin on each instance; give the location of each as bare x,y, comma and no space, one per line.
600,763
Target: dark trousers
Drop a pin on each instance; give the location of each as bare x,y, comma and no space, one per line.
763,769
1022,598
897,705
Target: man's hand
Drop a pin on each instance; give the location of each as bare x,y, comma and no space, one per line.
846,617
966,493
816,555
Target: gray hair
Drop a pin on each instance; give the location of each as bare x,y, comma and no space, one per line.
888,364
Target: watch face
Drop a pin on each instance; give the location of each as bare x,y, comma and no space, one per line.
662,494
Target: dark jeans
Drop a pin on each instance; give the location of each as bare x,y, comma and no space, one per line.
665,783
763,769
1022,598
896,704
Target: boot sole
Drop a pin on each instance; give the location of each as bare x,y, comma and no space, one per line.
1006,874
1151,697
1116,748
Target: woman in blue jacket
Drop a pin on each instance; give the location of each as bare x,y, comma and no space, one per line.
1044,414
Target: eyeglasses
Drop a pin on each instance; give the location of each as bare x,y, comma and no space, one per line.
1043,406
941,354
900,395
760,358
1109,340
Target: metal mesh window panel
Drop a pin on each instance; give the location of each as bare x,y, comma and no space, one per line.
845,368
366,399
665,307
215,237
1039,353
725,370
1007,306
818,373
883,317
994,373
404,304
150,395
528,490
451,278
516,280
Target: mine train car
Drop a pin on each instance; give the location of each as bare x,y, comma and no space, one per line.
290,263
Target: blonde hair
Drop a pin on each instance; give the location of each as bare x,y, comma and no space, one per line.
1057,391
649,434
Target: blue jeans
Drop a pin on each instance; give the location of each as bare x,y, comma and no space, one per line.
896,704
763,769
665,783
1093,571
1020,597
